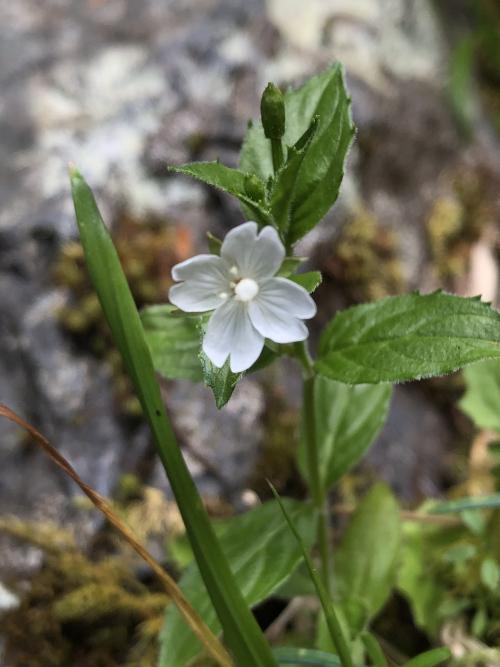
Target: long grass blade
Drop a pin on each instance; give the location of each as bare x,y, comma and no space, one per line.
241,631
332,621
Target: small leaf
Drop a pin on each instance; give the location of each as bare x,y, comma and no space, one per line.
262,553
174,342
290,265
490,574
430,658
214,243
366,558
348,419
309,280
481,401
233,181
407,338
321,170
422,585
222,381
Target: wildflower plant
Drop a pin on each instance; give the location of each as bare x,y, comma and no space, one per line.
241,306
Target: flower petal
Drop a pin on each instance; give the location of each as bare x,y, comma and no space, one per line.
276,326
193,298
231,334
281,294
203,269
255,256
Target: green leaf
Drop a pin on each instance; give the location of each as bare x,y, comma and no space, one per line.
320,173
461,88
174,342
348,419
418,580
366,558
241,632
222,381
290,265
430,658
481,401
214,243
230,180
309,280
287,181
407,338
466,504
490,574
262,553
299,657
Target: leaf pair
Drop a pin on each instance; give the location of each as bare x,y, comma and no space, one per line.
318,134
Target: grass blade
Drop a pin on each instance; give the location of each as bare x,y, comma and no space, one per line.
241,631
332,621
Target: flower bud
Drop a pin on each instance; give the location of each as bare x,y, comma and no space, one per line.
272,112
254,187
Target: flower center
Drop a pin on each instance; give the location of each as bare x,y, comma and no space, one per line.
246,289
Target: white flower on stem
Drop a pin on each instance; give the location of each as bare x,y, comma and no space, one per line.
249,301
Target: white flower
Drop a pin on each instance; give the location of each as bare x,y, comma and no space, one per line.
249,303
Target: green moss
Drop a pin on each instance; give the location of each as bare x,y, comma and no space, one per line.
365,260
457,220
76,611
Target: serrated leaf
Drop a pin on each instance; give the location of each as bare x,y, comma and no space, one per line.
407,338
322,168
309,280
174,342
367,556
348,419
481,401
287,180
229,180
262,553
222,381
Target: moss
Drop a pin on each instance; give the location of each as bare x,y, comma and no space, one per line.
147,249
76,611
457,220
363,246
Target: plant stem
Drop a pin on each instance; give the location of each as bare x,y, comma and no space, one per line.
277,153
313,464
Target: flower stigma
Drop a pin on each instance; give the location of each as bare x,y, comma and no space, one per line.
246,290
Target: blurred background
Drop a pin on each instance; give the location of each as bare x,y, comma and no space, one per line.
122,89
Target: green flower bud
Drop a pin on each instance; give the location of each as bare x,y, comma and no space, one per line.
254,187
272,112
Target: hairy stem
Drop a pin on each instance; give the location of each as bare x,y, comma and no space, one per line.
277,153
